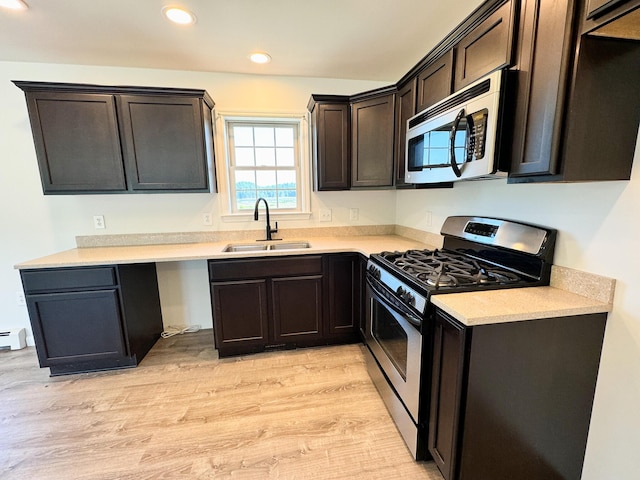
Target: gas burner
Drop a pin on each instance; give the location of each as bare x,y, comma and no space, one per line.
449,270
441,280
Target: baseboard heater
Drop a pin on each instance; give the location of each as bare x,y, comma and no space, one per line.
13,339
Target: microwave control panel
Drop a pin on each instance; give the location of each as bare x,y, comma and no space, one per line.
477,124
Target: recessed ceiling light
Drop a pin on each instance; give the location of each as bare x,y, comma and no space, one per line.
179,15
13,4
260,57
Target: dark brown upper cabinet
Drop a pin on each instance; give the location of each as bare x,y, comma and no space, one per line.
372,118
98,139
486,48
331,141
435,81
353,139
576,115
405,109
613,18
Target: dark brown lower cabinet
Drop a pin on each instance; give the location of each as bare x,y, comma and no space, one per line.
284,302
513,400
93,318
343,287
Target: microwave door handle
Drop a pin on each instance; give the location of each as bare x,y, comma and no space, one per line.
452,143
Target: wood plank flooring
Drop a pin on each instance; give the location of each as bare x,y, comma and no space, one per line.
185,414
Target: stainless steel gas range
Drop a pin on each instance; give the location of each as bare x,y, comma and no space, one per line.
478,254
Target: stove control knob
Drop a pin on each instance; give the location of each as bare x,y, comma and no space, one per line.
410,299
375,271
406,296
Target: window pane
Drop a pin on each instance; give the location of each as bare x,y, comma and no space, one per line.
269,195
285,157
245,180
264,136
265,157
244,157
243,136
266,179
286,179
287,199
245,199
284,137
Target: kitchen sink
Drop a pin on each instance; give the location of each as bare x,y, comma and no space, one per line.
260,247
288,245
245,248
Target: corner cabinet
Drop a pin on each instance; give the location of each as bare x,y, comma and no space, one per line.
353,140
99,139
269,303
513,400
93,318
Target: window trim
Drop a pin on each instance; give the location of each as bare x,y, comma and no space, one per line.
222,163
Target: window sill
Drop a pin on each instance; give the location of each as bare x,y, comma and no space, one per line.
243,217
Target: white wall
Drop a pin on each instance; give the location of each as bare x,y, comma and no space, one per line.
35,225
599,232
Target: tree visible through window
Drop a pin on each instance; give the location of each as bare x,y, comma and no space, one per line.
264,162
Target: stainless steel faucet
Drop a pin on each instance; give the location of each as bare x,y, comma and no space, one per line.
255,217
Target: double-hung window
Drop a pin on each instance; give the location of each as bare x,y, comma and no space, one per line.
264,159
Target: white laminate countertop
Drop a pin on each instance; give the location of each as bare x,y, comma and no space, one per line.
470,308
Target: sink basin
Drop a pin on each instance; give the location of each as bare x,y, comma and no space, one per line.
288,245
261,247
253,247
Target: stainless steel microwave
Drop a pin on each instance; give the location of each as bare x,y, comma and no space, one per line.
458,137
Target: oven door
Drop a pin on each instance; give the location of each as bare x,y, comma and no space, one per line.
396,344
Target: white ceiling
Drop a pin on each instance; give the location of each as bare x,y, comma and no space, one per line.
350,39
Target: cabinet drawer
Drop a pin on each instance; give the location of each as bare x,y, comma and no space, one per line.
264,267
68,279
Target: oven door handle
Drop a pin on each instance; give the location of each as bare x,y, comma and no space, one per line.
410,317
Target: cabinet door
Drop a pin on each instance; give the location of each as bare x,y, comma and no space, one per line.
163,142
435,82
77,326
240,315
405,109
446,386
332,160
486,48
372,144
77,142
296,304
343,281
542,77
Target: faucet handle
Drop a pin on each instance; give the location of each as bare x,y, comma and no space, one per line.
275,230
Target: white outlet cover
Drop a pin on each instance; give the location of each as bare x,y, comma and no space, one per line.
98,221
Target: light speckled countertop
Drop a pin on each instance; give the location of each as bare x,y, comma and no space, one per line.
365,244
591,293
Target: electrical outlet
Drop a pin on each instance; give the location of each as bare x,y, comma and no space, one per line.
98,221
354,213
427,218
325,215
206,219
20,298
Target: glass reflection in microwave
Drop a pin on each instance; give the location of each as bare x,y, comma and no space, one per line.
432,149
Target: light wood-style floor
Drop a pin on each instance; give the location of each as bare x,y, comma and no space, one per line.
185,414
